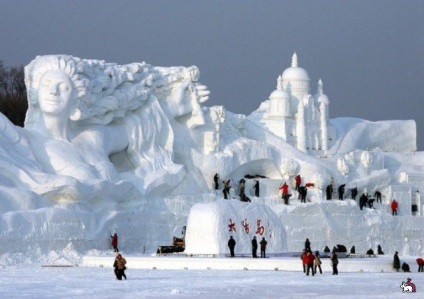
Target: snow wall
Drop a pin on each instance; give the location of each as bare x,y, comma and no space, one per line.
210,225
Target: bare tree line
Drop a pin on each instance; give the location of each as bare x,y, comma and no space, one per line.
13,97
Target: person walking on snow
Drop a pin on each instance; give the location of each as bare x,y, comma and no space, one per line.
334,262
263,247
308,260
231,245
254,247
317,263
119,267
394,207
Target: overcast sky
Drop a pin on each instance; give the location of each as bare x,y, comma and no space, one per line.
369,54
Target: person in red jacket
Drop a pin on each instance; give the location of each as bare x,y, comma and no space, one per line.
115,242
420,263
298,181
284,189
308,260
285,193
394,207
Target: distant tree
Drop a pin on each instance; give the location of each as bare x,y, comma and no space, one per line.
13,98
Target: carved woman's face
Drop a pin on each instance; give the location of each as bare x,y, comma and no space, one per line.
55,93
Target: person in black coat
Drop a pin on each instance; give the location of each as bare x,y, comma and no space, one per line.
215,179
396,262
370,252
334,262
341,190
254,247
231,245
363,201
256,187
308,245
263,247
329,191
226,190
379,250
303,191
244,198
354,193
405,267
352,250
370,203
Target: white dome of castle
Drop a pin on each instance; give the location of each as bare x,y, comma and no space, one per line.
279,101
295,73
279,93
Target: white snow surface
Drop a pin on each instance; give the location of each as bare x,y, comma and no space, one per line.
135,152
99,282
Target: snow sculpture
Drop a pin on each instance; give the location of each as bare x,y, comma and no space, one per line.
366,159
183,95
100,147
101,121
318,181
342,166
289,168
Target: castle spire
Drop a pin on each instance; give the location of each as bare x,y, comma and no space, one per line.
294,60
279,85
320,87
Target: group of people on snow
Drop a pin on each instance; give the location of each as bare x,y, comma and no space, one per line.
227,185
312,262
405,267
232,244
302,190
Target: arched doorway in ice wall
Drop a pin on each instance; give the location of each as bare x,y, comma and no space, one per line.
264,171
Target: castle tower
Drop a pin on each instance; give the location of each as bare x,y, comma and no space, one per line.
295,81
279,102
323,107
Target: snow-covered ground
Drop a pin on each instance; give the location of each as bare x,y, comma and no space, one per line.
99,282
